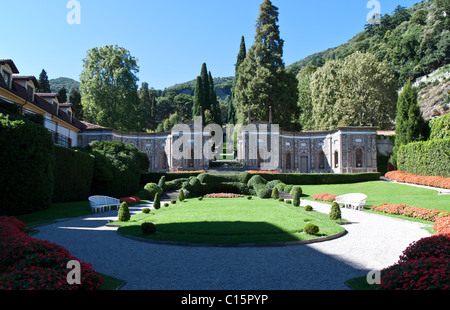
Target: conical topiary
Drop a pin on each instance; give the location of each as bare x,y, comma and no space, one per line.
124,212
275,193
156,202
181,195
335,213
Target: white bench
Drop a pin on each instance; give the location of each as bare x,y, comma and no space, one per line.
354,201
99,203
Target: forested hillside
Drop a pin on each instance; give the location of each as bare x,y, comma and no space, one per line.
412,41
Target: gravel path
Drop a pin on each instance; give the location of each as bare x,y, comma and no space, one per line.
373,242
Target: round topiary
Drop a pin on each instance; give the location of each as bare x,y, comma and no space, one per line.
200,198
335,212
308,208
275,193
281,199
146,210
311,229
249,197
124,213
173,201
151,189
166,204
288,201
148,228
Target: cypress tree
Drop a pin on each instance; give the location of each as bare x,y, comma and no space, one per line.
409,122
206,104
262,80
44,84
213,102
198,98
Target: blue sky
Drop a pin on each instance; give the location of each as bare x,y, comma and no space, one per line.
170,38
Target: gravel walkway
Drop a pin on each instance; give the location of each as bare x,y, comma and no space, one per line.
373,242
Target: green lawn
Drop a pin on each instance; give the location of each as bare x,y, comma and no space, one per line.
231,221
380,192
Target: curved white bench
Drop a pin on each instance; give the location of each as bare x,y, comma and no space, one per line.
99,203
354,201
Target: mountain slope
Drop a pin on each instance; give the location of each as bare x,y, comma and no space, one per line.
57,84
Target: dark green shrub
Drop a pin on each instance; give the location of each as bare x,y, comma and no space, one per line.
173,202
288,188
124,213
200,198
296,193
27,163
181,195
249,197
151,189
335,212
256,180
440,128
166,204
146,210
157,202
308,208
74,171
273,183
275,193
281,199
288,201
311,229
280,187
117,170
148,228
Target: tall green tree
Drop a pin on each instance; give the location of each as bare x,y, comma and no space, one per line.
147,99
109,87
409,122
44,84
63,94
231,113
262,80
355,91
304,97
199,99
213,102
75,100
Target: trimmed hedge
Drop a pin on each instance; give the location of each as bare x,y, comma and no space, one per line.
322,178
440,128
27,163
74,171
429,158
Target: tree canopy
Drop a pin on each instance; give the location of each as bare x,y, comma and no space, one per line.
109,88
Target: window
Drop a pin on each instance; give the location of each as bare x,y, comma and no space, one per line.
30,91
359,157
288,160
321,160
336,159
7,78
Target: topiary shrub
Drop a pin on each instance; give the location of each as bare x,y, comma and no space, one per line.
124,213
148,228
281,199
156,202
200,198
273,183
166,204
162,183
288,188
311,229
151,189
296,193
275,193
146,210
308,208
289,201
173,201
335,213
249,197
280,187
181,195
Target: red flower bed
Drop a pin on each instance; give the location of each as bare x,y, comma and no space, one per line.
30,264
130,200
223,195
324,197
405,177
419,213
424,265
442,226
262,171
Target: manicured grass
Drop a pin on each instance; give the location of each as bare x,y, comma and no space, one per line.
384,192
231,221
